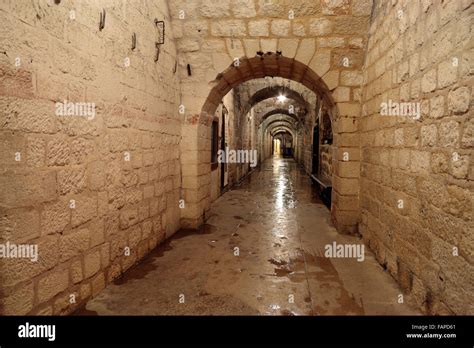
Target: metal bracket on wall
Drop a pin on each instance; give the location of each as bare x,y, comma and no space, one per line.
160,25
102,20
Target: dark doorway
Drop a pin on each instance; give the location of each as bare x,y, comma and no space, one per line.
323,185
214,144
315,159
223,145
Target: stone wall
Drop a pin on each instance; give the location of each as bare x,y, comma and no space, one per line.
94,193
97,191
416,176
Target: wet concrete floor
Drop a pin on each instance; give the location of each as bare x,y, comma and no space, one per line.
261,252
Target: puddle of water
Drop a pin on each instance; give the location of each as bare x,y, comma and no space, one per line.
83,311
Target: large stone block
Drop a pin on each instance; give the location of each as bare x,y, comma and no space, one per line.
271,8
28,115
25,190
280,27
19,225
228,28
335,7
16,270
348,169
459,100
429,135
96,173
428,81
36,151
19,302
85,209
447,73
449,134
437,108
362,7
71,180
288,47
74,244
92,263
76,271
320,26
57,152
350,25
259,28
243,8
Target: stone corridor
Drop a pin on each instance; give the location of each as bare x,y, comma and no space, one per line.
280,229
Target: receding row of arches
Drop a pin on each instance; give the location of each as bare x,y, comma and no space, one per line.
274,116
237,110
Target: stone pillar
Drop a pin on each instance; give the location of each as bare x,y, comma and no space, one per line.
345,208
196,173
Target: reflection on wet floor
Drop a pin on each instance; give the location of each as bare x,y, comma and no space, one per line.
261,252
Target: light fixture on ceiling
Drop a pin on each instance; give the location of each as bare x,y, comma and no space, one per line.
281,98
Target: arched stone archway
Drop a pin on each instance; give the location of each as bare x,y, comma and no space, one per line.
196,163
279,128
270,64
278,112
279,121
268,123
282,125
285,143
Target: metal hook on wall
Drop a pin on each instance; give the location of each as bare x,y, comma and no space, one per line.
157,56
102,20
